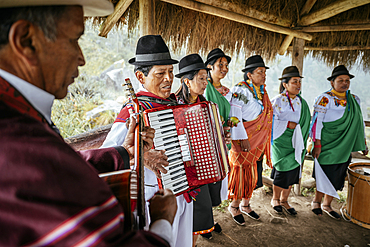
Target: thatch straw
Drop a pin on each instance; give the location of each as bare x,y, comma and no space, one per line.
201,33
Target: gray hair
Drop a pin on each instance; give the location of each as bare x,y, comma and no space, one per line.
44,17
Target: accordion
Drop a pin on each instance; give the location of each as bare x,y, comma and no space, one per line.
193,138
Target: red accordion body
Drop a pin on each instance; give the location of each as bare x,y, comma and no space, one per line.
193,138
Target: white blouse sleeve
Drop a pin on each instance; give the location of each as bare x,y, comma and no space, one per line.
237,104
320,107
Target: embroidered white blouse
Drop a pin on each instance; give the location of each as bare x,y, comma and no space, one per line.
245,108
283,113
329,108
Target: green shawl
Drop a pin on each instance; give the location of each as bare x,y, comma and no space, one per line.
343,136
213,95
283,153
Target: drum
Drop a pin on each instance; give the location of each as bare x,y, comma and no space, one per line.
358,200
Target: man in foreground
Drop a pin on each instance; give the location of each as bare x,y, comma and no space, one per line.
49,194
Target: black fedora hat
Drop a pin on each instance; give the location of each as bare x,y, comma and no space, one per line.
340,70
215,54
290,71
189,63
151,50
254,62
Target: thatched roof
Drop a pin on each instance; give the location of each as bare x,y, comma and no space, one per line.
202,32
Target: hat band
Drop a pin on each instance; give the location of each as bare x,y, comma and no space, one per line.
191,67
342,72
152,57
291,75
255,65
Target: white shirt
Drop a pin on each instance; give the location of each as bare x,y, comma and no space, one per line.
328,111
41,100
245,107
283,113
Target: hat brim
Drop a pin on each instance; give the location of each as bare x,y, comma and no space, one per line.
90,7
331,77
290,77
217,56
149,63
243,70
179,75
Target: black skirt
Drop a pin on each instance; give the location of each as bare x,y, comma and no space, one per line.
335,173
285,179
208,197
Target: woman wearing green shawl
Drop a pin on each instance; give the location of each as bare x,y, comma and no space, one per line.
337,130
290,133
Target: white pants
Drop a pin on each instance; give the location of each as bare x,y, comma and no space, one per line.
182,227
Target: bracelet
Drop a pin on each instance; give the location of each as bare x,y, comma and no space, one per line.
317,146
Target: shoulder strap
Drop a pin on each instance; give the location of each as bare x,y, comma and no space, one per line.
169,102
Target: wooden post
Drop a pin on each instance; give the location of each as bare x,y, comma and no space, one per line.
297,60
147,17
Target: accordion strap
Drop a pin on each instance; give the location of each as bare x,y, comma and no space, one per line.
169,102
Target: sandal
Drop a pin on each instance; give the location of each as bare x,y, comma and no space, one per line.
331,213
251,214
278,209
239,219
290,210
317,211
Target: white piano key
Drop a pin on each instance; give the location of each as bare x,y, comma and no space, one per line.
162,116
172,151
166,146
162,134
156,113
176,176
162,141
174,157
175,181
162,129
161,123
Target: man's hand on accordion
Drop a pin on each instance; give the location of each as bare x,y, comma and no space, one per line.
147,135
156,160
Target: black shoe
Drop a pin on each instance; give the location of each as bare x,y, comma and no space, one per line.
251,214
332,213
290,211
239,219
278,209
218,228
317,211
207,235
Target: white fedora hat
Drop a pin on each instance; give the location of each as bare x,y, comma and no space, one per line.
90,7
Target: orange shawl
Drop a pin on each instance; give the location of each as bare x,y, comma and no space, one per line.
243,175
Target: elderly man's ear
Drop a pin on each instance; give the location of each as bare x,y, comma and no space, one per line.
140,76
23,38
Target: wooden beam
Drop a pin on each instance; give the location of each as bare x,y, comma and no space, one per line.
307,7
335,28
245,10
207,9
331,10
337,48
147,17
112,19
286,43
